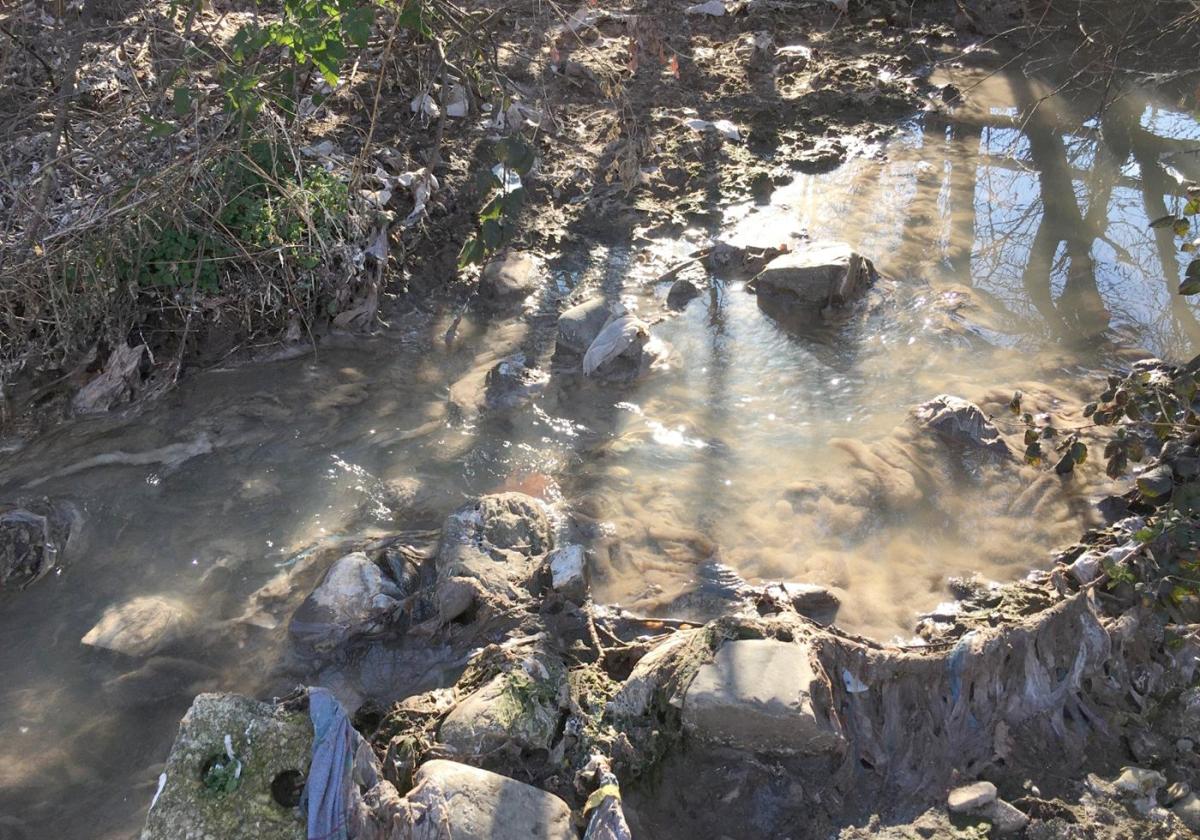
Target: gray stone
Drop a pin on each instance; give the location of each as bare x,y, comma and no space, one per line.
354,599
579,325
458,802
520,707
757,694
1005,818
267,740
508,279
681,293
1188,811
971,797
454,596
816,275
141,626
961,423
568,572
495,541
813,601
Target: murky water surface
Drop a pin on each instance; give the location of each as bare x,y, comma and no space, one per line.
1019,250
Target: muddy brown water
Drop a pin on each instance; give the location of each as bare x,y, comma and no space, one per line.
697,461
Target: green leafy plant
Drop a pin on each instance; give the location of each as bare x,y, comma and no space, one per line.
504,190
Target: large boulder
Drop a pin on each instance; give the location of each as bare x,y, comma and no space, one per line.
757,695
961,424
458,802
814,276
204,795
353,600
142,626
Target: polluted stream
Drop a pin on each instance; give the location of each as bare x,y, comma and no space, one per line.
715,467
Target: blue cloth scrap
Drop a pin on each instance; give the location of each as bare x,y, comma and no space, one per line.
327,791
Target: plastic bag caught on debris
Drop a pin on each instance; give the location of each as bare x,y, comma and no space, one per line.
339,767
621,330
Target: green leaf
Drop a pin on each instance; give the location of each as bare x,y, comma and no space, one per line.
181,99
158,128
1156,483
1065,465
412,18
357,25
472,252
1192,207
1079,452
491,232
1033,453
1164,221
1181,227
516,154
1190,286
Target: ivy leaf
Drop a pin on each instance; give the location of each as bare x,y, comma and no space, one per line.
1033,453
1192,207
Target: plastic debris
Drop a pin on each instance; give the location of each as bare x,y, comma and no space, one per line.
723,127
620,331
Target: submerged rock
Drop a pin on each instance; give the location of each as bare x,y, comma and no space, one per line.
273,747
505,385
27,549
353,600
814,276
961,423
757,694
141,626
458,802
